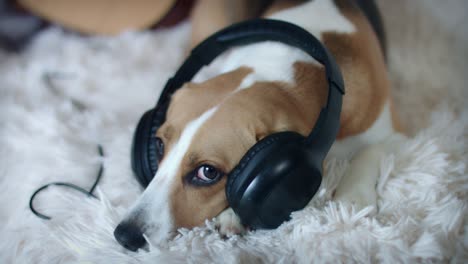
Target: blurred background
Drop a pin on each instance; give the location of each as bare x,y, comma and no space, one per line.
20,20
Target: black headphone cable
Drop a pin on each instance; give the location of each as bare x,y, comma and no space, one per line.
69,185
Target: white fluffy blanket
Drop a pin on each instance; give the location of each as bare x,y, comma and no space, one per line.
65,93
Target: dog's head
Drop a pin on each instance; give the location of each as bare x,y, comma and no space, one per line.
209,127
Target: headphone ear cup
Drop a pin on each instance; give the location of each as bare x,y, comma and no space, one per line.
235,180
277,176
144,153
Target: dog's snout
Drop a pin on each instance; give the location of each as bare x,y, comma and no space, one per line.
129,236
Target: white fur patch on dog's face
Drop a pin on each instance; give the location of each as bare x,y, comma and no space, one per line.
152,210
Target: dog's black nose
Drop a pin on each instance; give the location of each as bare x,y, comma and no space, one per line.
129,236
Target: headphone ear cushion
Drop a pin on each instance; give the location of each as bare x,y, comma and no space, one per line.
235,180
144,153
277,176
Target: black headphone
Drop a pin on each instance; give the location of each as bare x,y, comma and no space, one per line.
280,173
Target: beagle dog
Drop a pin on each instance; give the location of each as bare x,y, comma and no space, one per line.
253,91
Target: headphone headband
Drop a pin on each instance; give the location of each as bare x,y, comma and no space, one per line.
324,133
252,31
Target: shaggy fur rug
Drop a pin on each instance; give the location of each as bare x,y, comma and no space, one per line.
66,93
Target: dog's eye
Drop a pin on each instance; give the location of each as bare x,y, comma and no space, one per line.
205,175
159,148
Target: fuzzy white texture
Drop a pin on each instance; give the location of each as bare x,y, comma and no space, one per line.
103,85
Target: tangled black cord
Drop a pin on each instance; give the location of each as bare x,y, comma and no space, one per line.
69,185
